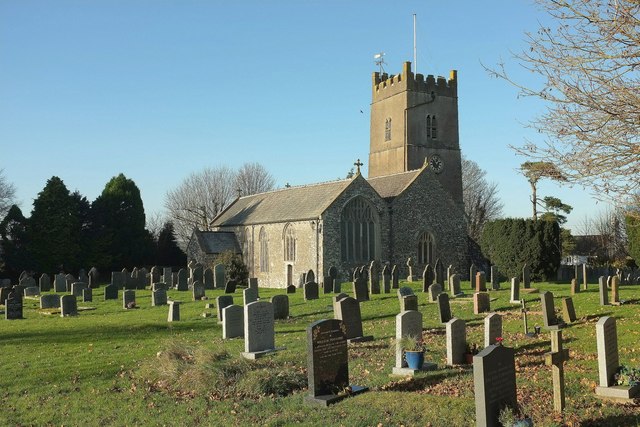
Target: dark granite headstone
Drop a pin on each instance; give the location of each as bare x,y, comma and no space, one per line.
50,301
13,308
291,289
87,295
68,306
360,289
110,292
548,310
280,306
310,291
444,308
348,310
221,302
230,287
494,378
128,298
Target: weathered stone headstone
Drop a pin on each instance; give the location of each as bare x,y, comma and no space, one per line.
77,287
495,283
584,277
94,277
87,295
408,324
568,311
68,306
249,295
444,308
374,277
118,279
280,306
59,283
481,282
174,311
526,276
128,298
183,284
433,291
230,287
45,283
609,282
428,278
408,302
291,289
49,301
395,277
233,322
310,290
473,270
167,276
454,285
221,302
548,311
450,272
13,307
604,292
556,358
328,363
386,279
404,291
515,291
456,341
32,291
154,276
335,299
348,310
110,292
69,279
327,284
160,285
143,278
158,297
310,276
360,290
219,276
615,290
208,279
492,328
481,303
575,288
494,379
410,268
438,270
259,333
198,291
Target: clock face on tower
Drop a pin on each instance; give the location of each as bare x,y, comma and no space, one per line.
436,163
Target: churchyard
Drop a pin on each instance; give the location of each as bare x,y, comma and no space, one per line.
109,363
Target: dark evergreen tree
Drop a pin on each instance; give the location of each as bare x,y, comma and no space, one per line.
167,250
14,251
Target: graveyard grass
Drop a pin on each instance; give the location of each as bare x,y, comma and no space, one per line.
111,366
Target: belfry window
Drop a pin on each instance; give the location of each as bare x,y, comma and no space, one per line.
432,127
359,229
387,129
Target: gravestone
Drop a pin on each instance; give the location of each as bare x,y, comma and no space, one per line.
208,279
4,293
386,279
87,295
13,307
404,291
133,279
249,295
259,333
584,277
360,290
291,289
128,298
310,276
28,282
348,310
158,297
395,277
408,302
438,270
117,279
327,284
473,270
454,285
45,283
434,290
59,283
410,268
159,285
77,287
481,303
609,362
515,291
143,278
94,276
575,288
174,311
110,292
198,291
334,300
230,287
19,291
233,323
481,282
68,306
526,276
253,283
328,363
218,276
495,283
69,279
32,291
450,272
221,302
154,275
494,380
604,292
556,358
183,284
374,277
280,306
50,301
310,290
167,277
408,324
428,278
548,311
568,311
492,328
444,308
609,282
615,290
456,341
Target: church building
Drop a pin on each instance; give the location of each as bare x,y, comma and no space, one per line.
410,205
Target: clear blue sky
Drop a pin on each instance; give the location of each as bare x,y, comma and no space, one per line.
157,89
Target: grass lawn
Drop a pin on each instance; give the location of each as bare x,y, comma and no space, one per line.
111,366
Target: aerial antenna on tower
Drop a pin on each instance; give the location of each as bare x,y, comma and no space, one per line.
379,60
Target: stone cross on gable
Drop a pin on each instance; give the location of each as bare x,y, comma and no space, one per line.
556,358
357,164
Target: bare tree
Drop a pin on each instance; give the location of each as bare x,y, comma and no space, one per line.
155,223
7,194
608,231
481,203
587,60
203,195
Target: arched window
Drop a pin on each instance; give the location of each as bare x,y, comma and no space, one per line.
432,127
264,250
426,248
246,246
289,243
387,129
359,228
428,126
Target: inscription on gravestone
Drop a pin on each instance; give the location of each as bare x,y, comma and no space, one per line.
494,379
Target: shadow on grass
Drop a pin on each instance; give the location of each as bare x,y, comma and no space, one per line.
420,383
613,421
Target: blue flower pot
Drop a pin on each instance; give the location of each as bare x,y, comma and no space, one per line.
415,359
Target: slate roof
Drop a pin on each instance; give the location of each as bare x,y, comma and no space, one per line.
215,242
286,204
392,185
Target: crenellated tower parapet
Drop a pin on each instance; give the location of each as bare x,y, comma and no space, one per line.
385,85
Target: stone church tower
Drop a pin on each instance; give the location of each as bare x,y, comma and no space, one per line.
414,119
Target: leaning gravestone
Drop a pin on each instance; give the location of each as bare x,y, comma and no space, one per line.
45,283
13,307
233,323
348,310
182,280
444,308
548,311
568,311
259,333
408,324
174,311
158,297
310,291
492,328
208,279
428,278
608,363
222,302
128,298
87,295
154,276
198,291
360,289
280,306
434,290
249,295
328,363
604,292
456,341
68,306
494,379
218,276
230,287
50,301
110,292
481,303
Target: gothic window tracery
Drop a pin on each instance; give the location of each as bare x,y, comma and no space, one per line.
289,243
359,229
387,129
426,248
